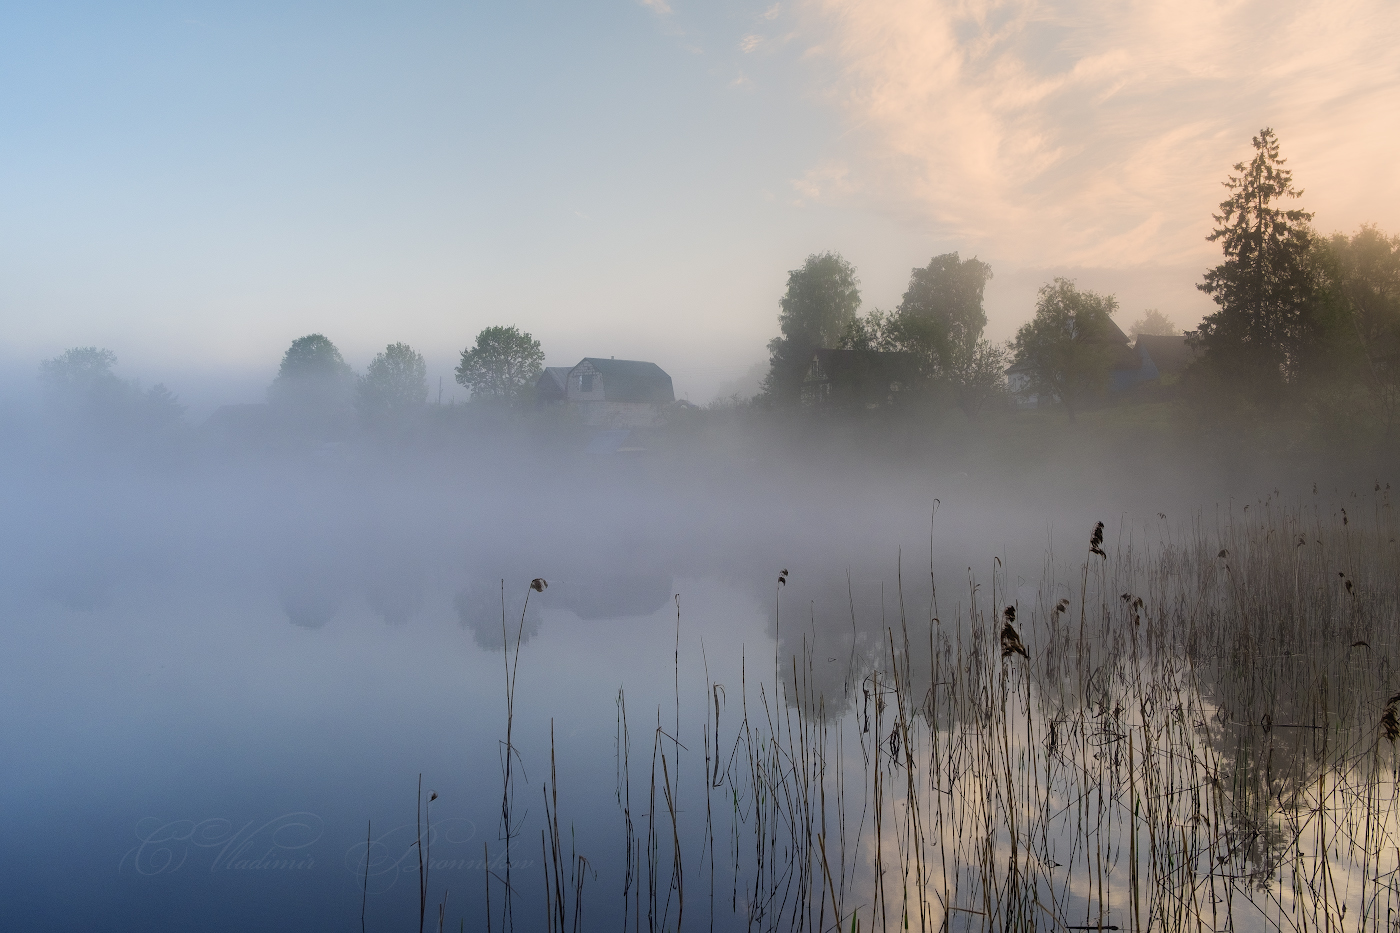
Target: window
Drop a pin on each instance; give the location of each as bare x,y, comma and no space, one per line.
585,382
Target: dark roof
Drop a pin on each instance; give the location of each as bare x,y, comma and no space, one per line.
1124,358
834,363
1169,354
1115,333
633,380
552,381
251,416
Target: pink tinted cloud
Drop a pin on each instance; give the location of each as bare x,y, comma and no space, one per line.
1096,133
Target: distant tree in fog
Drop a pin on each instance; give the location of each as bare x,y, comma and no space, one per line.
1361,274
1067,349
396,383
1260,335
502,366
1153,323
820,303
312,374
79,370
80,384
872,332
939,325
978,375
940,318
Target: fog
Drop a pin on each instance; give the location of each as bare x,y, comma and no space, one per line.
231,645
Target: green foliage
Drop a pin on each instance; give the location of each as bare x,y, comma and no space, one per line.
821,301
81,369
872,333
940,318
312,374
1067,349
80,385
503,365
1360,276
937,328
395,384
978,374
1265,287
1153,323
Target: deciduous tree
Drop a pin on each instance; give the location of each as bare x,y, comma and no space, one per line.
1068,347
1362,273
313,374
395,383
940,318
1153,323
503,364
821,301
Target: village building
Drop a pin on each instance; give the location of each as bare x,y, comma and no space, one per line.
1149,359
857,378
1163,358
609,392
552,386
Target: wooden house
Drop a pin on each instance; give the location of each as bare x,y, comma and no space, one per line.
618,393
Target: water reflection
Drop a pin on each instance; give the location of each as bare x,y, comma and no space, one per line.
594,597
394,590
310,591
496,613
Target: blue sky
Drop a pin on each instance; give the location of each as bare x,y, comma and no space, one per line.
195,184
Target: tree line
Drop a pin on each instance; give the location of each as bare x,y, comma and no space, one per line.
1303,321
1304,324
312,380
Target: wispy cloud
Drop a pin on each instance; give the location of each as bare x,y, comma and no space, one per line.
1096,132
656,6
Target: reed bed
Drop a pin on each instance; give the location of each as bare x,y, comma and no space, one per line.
1186,729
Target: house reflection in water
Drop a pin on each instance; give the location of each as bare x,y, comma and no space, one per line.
600,597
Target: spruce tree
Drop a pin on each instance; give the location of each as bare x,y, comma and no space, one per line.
1264,288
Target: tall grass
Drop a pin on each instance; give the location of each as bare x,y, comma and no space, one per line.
1186,728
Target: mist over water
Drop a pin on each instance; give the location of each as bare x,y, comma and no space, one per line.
223,659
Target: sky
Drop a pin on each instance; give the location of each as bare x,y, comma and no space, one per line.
195,184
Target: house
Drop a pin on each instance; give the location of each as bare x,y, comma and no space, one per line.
866,378
1163,357
618,393
1018,384
552,386
1125,367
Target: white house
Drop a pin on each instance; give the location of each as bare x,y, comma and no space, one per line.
618,393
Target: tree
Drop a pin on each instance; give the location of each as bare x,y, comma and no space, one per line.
940,318
503,365
872,333
313,374
821,300
395,383
1068,347
1260,334
79,370
1153,323
978,375
80,384
1362,273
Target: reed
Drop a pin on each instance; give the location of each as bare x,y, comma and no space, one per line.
1189,727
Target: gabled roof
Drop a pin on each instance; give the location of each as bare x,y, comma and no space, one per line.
632,380
1169,354
1114,333
553,381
